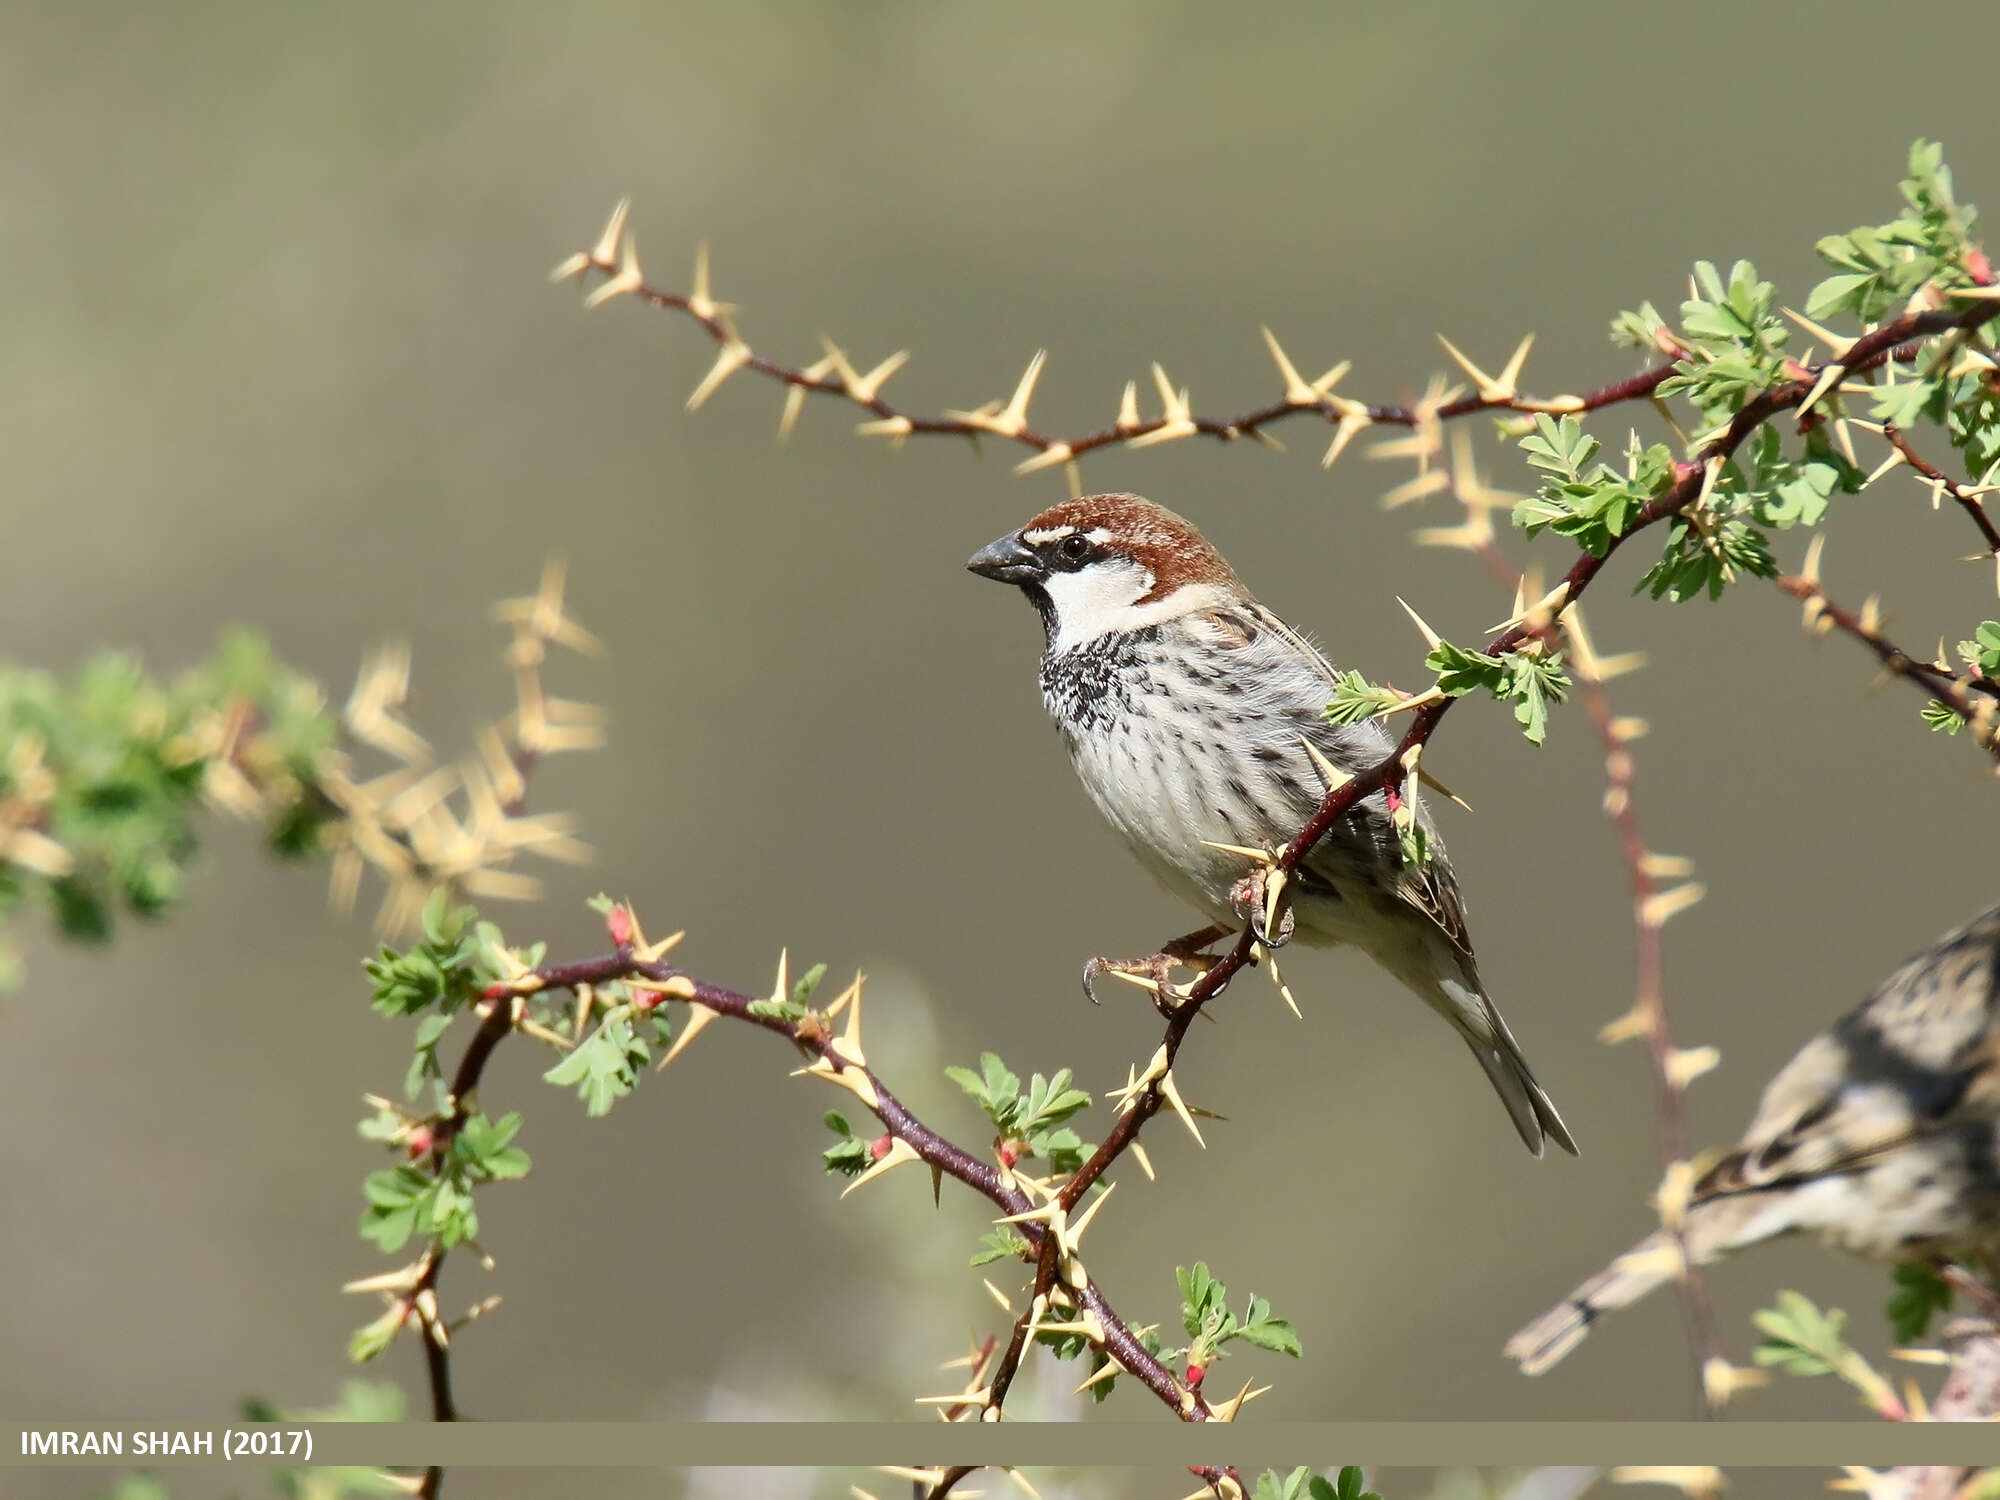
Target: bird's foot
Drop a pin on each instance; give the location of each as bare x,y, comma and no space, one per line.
1155,970
1250,899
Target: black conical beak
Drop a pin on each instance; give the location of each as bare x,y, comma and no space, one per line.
1008,560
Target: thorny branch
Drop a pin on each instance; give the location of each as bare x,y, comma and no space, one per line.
615,258
1966,496
1971,697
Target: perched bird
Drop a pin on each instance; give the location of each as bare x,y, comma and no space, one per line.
1882,1136
1187,708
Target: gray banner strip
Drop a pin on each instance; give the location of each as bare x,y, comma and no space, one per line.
1117,1444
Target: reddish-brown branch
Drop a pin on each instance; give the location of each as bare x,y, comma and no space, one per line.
1979,709
838,383
1967,501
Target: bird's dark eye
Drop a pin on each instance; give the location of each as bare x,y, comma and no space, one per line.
1074,548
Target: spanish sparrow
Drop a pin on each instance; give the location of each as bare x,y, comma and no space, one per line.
1882,1137
1186,707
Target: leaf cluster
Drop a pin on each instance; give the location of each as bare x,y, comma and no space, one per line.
1530,681
1034,1119
111,767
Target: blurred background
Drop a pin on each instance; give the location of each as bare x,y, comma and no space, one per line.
281,351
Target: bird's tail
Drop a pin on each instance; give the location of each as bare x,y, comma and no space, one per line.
1646,1265
1461,1000
1709,1230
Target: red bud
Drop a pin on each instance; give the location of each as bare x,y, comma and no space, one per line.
1195,1374
619,921
879,1147
420,1142
496,992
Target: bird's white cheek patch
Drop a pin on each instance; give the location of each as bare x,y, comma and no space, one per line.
1096,599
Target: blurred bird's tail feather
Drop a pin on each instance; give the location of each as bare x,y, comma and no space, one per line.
1653,1260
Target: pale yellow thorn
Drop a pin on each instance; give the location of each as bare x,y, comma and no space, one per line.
38,852
1685,1064
1630,727
1633,1024
1985,293
1332,378
611,239
1470,535
1073,472
1128,408
1895,457
700,301
1297,392
734,356
915,1476
625,280
1082,1221
1048,458
837,363
1145,1161
850,1036
1871,615
1431,637
1274,890
1844,435
897,427
1424,699
1721,1380
399,1280
1352,421
1177,420
1442,790
1172,1094
1139,981
697,1021
1261,856
865,388
1618,666
1225,1411
1922,1356
1049,1213
574,265
899,1152
1809,570
1328,772
1661,907
1491,388
1417,487
1833,341
1109,1370
999,1297
1828,379
1666,866
1022,1484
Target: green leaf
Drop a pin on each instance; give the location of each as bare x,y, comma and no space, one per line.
1800,1339
802,991
1920,1295
1267,1332
1002,1244
1356,700
1941,715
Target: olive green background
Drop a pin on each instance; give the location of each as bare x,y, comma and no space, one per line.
279,349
